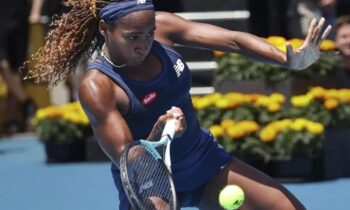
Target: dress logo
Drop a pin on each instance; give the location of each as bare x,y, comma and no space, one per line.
149,98
179,67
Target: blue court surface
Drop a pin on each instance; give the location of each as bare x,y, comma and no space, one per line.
28,183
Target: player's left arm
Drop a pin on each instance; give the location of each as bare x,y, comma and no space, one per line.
173,29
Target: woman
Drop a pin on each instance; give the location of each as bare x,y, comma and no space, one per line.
130,89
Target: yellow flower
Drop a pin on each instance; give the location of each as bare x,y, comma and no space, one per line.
222,103
331,103
331,93
248,126
344,95
315,128
276,40
232,96
262,101
54,111
83,117
281,47
285,123
296,43
317,92
217,131
72,117
280,125
273,107
214,97
268,134
253,97
40,114
298,125
301,100
202,103
226,123
235,132
327,45
277,97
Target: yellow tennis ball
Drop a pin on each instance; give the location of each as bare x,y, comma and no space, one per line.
231,197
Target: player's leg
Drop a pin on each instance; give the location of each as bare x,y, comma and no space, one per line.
261,191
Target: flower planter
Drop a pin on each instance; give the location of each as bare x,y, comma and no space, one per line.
93,151
337,153
298,169
61,152
301,86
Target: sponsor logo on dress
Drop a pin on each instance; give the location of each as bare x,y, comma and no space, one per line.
179,67
149,98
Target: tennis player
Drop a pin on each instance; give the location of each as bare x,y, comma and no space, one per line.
138,77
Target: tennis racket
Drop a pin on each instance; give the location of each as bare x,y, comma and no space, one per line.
146,174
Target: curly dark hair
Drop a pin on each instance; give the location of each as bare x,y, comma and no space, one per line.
74,35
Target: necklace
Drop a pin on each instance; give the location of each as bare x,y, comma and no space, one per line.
110,62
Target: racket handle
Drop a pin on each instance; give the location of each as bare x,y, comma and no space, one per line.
169,129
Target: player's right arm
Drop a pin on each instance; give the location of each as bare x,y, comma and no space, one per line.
104,102
100,99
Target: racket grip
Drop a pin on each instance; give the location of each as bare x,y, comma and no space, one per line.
169,128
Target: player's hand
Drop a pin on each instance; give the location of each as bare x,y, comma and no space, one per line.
177,114
173,113
309,52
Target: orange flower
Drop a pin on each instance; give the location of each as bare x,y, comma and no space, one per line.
273,107
226,123
327,45
331,104
218,53
268,134
248,126
315,128
344,95
331,93
277,97
235,132
317,92
217,131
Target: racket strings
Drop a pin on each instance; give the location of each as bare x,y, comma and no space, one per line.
149,180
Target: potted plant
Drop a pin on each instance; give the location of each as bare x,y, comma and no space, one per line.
284,149
238,73
257,129
332,108
63,130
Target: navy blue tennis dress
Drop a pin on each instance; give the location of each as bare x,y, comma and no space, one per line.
196,156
